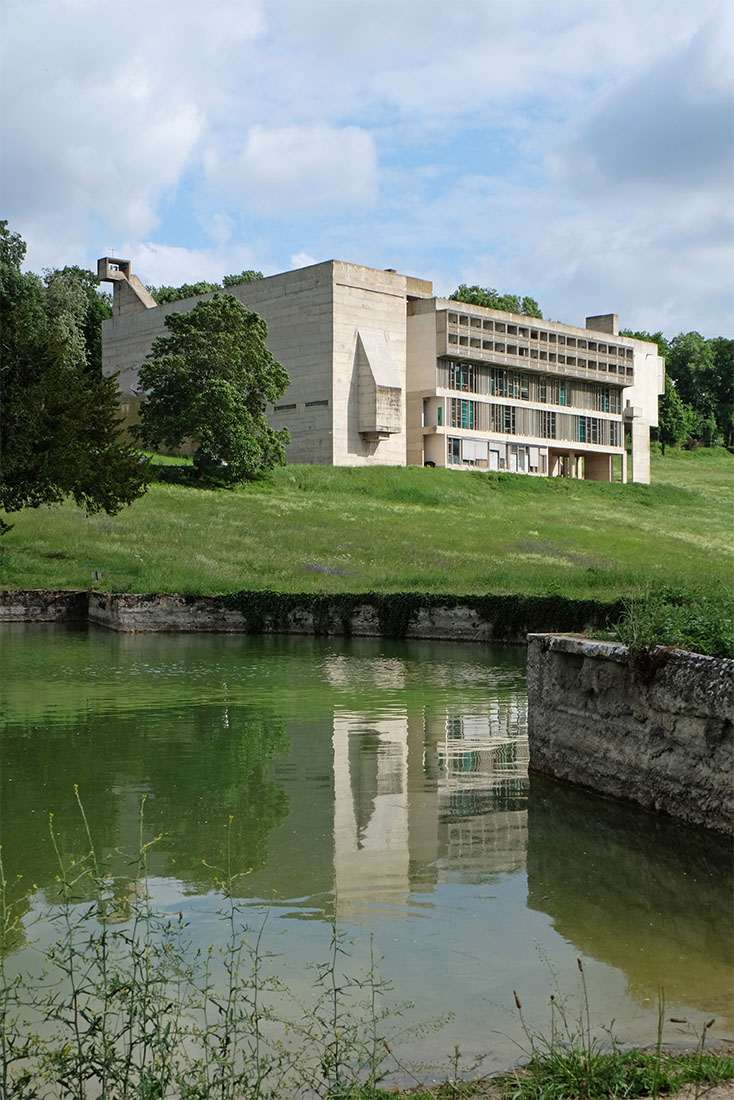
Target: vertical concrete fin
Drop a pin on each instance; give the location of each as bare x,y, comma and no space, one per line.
380,392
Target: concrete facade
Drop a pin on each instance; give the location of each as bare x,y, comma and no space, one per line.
383,373
499,391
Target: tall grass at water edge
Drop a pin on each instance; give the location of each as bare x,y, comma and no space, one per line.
126,1008
322,529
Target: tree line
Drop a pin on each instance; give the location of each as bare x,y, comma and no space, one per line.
698,404
163,294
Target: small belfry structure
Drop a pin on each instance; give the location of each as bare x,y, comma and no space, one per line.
384,373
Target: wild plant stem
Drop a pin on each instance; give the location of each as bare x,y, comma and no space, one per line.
70,961
655,1090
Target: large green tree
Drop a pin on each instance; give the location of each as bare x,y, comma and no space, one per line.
59,417
677,422
208,383
248,276
164,294
491,299
703,372
96,309
699,394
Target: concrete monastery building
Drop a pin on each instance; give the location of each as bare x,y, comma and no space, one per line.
384,373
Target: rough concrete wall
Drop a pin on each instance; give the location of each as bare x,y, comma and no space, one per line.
421,379
397,615
189,615
367,301
297,307
657,731
41,606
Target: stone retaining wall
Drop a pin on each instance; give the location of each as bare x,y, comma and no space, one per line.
184,615
395,615
656,729
43,606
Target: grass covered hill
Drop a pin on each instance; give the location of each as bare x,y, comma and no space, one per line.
320,529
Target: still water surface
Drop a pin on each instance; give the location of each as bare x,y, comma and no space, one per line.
379,784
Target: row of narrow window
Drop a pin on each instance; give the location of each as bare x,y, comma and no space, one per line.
306,405
539,423
610,366
498,382
528,333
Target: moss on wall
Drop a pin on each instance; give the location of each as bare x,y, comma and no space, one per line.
510,617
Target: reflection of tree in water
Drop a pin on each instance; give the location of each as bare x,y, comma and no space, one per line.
223,772
212,762
636,890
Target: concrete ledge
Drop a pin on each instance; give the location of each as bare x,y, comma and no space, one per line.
417,615
42,606
654,728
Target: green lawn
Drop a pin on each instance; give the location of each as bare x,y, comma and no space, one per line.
318,529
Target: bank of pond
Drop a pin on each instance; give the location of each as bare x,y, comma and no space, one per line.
311,792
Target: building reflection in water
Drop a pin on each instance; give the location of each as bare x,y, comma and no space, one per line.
421,798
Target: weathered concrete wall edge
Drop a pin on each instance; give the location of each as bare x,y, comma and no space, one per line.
399,615
655,728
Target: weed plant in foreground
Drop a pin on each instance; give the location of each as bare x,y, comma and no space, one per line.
573,1062
126,1008
699,620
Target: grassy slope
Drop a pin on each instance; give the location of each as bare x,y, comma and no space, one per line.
319,529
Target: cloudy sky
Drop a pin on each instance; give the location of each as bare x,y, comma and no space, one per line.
578,151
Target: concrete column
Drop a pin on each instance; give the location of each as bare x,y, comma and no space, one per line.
639,432
641,451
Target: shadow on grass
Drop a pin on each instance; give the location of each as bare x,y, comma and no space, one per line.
190,477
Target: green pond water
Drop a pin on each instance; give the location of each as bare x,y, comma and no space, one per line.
378,784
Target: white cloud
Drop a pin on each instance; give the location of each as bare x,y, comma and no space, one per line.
302,259
663,127
103,106
299,167
170,265
574,151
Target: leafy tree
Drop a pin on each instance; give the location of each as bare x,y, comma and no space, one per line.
97,309
703,371
208,382
164,294
677,422
491,299
60,420
690,363
243,277
702,375
650,337
724,387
